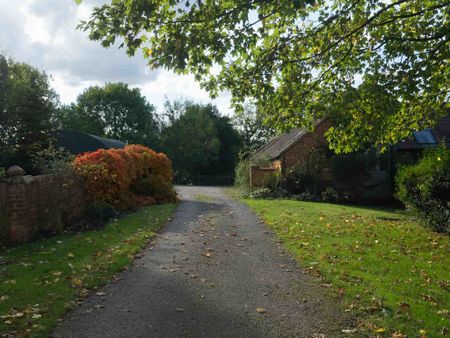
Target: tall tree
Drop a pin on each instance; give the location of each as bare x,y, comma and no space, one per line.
199,141
297,59
29,104
253,131
3,96
230,146
115,111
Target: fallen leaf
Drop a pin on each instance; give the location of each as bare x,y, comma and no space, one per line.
349,331
77,282
36,316
70,255
260,310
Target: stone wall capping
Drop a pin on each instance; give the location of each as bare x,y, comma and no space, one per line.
15,171
27,179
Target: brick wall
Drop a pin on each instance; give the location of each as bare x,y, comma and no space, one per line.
300,151
4,224
259,175
32,205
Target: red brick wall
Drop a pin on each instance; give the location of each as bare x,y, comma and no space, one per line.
258,175
300,151
30,205
4,224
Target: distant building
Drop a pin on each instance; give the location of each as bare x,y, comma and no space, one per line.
409,151
77,142
291,150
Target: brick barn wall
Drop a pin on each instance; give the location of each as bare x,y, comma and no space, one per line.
297,153
258,175
32,205
300,151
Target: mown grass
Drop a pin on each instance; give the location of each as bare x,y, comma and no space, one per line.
394,274
42,280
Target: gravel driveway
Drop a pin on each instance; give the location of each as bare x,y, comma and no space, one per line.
215,271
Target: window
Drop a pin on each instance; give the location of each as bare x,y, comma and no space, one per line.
425,137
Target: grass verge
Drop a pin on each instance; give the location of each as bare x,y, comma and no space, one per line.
394,274
40,281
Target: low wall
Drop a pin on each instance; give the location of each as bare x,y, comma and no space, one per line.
259,175
32,205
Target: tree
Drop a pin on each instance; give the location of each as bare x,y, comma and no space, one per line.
299,59
199,141
27,107
253,131
3,87
113,111
230,146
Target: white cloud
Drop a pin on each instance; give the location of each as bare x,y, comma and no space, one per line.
171,86
43,33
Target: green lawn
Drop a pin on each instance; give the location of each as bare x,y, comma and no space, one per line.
42,280
394,274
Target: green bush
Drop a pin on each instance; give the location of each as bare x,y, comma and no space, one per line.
261,193
52,160
96,216
297,182
425,188
304,176
160,190
242,175
330,195
271,181
346,167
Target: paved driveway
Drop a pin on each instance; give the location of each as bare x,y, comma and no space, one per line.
215,271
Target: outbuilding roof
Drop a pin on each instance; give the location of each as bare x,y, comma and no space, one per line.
275,148
428,137
77,142
279,145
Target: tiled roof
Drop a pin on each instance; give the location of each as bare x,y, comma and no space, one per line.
278,145
77,142
440,132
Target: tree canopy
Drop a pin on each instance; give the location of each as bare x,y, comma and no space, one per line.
254,133
27,107
378,68
115,111
199,141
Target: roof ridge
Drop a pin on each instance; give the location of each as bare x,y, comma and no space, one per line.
280,144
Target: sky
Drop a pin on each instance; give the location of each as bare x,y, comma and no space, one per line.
43,33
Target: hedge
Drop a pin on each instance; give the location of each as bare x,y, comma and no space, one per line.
425,188
112,176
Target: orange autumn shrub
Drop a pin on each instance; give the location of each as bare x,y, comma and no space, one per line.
113,176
